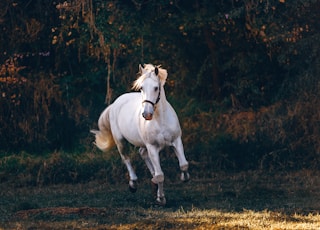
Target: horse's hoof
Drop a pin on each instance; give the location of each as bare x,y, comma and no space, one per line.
185,176
133,186
161,201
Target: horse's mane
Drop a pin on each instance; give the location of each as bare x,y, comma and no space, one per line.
147,68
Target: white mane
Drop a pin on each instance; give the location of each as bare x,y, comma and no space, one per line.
148,68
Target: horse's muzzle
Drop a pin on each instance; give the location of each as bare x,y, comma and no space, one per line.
148,109
147,116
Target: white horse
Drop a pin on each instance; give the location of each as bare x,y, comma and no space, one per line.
146,120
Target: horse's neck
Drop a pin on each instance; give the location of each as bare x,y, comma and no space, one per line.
163,97
162,104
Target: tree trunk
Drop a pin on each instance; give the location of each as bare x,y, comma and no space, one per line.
216,81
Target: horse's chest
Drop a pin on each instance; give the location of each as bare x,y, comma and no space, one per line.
161,136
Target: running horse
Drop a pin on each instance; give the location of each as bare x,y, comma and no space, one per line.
146,120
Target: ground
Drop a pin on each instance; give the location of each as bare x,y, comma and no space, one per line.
238,200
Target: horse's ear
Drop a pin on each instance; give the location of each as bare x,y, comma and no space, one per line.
156,70
140,69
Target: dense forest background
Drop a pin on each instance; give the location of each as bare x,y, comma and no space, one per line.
243,74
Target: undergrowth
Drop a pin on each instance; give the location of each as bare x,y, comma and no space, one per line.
284,135
281,136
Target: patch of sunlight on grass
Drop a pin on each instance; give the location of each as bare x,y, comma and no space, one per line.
214,219
154,218
247,219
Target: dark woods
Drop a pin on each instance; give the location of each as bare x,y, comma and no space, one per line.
243,75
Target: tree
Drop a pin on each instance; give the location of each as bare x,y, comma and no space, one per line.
62,60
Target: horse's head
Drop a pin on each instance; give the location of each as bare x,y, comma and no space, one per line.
149,84
150,91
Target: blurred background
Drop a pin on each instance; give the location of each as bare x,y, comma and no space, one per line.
243,78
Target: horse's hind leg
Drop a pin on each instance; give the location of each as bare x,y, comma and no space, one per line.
183,163
123,147
132,175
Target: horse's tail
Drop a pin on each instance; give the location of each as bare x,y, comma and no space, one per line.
104,138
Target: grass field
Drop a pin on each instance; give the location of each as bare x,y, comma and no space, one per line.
243,200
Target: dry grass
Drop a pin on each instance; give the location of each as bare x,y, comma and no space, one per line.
247,200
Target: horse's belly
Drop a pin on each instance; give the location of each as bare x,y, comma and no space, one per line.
129,130
134,141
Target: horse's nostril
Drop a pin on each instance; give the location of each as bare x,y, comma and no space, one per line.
147,116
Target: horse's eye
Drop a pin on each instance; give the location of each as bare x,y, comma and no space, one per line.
156,88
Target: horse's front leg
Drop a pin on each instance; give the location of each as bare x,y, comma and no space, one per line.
144,155
183,163
158,176
158,193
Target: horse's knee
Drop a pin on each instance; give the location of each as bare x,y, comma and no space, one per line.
158,179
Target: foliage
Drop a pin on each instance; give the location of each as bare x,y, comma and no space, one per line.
242,74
